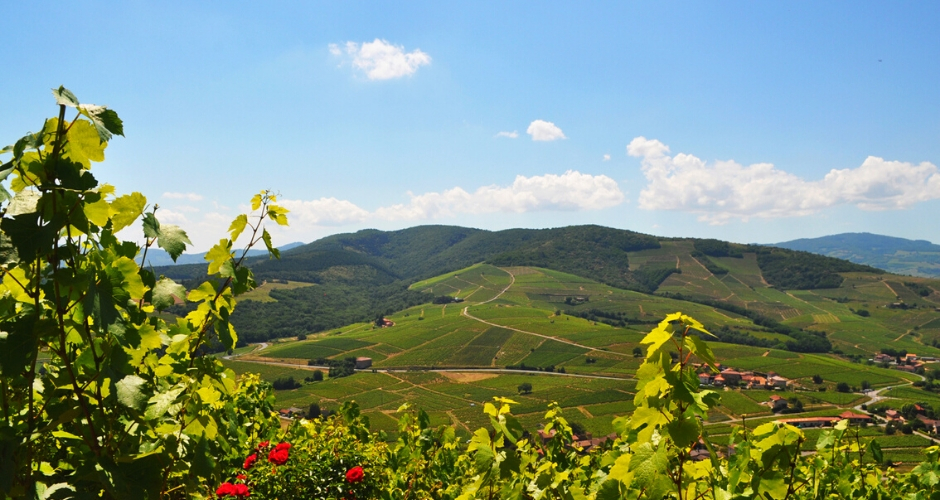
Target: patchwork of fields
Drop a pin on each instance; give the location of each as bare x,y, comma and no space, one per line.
551,321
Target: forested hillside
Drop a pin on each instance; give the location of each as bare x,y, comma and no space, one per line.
359,276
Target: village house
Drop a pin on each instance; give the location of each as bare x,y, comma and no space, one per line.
893,416
363,363
777,403
932,426
855,418
719,381
704,378
777,382
731,376
883,358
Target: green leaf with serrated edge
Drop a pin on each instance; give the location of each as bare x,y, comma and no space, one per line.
84,146
131,281
218,255
875,450
203,292
126,209
130,392
256,202
266,237
225,330
106,121
700,349
160,402
151,225
166,292
65,97
683,431
173,239
24,202
150,338
97,212
237,226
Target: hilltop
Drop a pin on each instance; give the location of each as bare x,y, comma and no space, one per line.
355,277
896,255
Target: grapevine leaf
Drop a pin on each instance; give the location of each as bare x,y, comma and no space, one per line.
24,202
698,347
266,237
225,330
106,121
256,202
237,226
130,392
218,255
875,450
161,402
173,239
18,346
84,146
65,97
204,291
129,278
683,431
126,209
166,292
151,225
202,463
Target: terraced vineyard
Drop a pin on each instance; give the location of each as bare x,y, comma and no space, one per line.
535,318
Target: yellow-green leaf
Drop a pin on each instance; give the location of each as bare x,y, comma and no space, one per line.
237,226
218,255
97,212
126,209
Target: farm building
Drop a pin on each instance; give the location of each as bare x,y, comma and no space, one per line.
777,403
363,363
855,418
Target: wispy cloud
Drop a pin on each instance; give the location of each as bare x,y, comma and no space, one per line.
541,130
183,196
512,135
726,190
606,158
380,60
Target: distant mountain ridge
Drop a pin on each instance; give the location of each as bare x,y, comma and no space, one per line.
896,255
157,257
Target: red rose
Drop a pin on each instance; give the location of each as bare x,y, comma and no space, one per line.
241,491
250,461
278,457
225,490
241,477
282,446
355,475
263,444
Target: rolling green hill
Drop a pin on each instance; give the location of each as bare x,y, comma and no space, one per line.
359,276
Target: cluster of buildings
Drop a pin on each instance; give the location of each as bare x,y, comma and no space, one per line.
585,442
910,362
747,379
931,425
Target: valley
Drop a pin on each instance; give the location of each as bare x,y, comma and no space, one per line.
486,330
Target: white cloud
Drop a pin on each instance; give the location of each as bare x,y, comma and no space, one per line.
183,196
381,60
567,192
324,212
512,135
726,190
606,158
541,130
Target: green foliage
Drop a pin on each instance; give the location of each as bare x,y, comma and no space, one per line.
100,396
792,270
717,248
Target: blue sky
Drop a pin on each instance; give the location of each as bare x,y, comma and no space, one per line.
751,122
